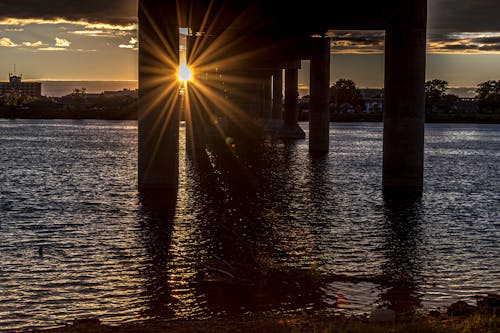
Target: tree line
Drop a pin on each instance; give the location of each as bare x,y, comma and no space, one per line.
437,99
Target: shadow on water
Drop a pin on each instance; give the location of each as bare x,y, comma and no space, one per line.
158,211
241,264
402,249
242,271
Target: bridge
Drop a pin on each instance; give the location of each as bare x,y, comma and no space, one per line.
238,51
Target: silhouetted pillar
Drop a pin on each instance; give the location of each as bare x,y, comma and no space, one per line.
266,97
158,110
277,112
319,115
290,128
291,92
195,119
404,111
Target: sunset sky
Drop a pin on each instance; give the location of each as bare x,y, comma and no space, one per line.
97,40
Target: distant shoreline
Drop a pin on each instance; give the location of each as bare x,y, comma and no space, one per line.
475,118
130,114
61,88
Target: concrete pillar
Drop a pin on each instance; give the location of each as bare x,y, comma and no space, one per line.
290,128
277,111
158,110
291,92
196,121
266,97
319,114
404,111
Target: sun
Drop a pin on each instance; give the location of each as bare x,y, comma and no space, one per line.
185,73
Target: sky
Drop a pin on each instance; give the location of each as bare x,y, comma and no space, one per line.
97,40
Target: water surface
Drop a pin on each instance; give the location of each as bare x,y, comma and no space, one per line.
247,230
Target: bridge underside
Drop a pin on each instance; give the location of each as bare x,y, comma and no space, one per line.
239,51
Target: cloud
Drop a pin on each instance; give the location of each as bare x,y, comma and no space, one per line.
466,42
464,15
369,42
7,42
10,21
357,42
449,15
63,49
108,11
51,48
100,33
132,44
61,42
35,44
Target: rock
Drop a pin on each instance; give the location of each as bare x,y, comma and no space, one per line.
460,308
434,313
489,304
383,315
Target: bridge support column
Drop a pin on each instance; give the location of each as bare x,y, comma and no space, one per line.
158,111
196,122
277,111
291,129
266,97
404,111
319,115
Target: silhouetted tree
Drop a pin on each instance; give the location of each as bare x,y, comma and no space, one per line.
12,99
435,90
343,92
488,96
448,102
42,102
79,95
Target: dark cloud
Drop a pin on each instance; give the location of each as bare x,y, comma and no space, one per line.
493,47
488,40
458,47
364,39
444,15
442,37
108,11
464,15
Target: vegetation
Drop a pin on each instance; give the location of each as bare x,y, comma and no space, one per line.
77,105
488,96
291,323
436,98
345,95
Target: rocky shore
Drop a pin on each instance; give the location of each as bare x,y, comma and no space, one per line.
459,317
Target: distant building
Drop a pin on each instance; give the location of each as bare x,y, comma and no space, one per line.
374,100
23,89
467,105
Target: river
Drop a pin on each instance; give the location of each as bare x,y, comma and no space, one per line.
244,232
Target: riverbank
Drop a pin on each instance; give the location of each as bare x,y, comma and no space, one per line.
287,323
459,317
130,113
477,118
58,113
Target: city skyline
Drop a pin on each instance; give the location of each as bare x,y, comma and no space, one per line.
97,41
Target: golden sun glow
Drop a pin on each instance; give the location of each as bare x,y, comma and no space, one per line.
213,94
185,73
